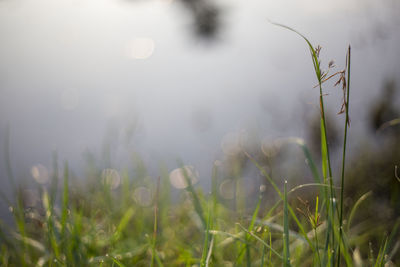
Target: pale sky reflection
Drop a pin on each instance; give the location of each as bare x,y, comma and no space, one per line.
83,56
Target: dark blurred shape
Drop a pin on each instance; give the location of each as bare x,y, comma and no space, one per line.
206,16
373,170
384,110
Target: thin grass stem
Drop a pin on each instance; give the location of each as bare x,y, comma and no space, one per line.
344,150
153,245
286,251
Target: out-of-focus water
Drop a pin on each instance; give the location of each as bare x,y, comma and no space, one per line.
78,75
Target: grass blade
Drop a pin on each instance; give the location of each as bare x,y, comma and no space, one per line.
344,149
196,201
251,226
301,228
153,245
65,199
355,208
123,223
206,238
262,241
120,264
286,253
210,251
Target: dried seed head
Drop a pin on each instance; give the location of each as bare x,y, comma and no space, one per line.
318,50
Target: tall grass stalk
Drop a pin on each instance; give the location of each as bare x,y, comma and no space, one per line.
286,251
315,224
207,248
155,226
330,198
347,122
195,198
251,226
210,249
64,209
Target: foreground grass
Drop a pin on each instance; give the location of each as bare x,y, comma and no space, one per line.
119,219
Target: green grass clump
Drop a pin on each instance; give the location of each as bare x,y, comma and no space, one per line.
134,221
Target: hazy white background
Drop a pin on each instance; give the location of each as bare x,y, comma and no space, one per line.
78,74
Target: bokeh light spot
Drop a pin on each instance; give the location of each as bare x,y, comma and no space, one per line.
140,48
40,174
231,144
142,196
271,148
178,179
263,188
217,163
111,178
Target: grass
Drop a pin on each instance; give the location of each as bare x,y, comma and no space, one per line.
137,222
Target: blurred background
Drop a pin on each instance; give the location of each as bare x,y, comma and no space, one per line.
192,80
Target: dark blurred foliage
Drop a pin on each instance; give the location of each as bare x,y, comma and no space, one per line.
205,14
372,167
384,110
206,17
373,170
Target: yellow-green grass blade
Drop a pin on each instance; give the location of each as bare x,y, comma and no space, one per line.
286,252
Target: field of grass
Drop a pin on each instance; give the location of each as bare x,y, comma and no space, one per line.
115,219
